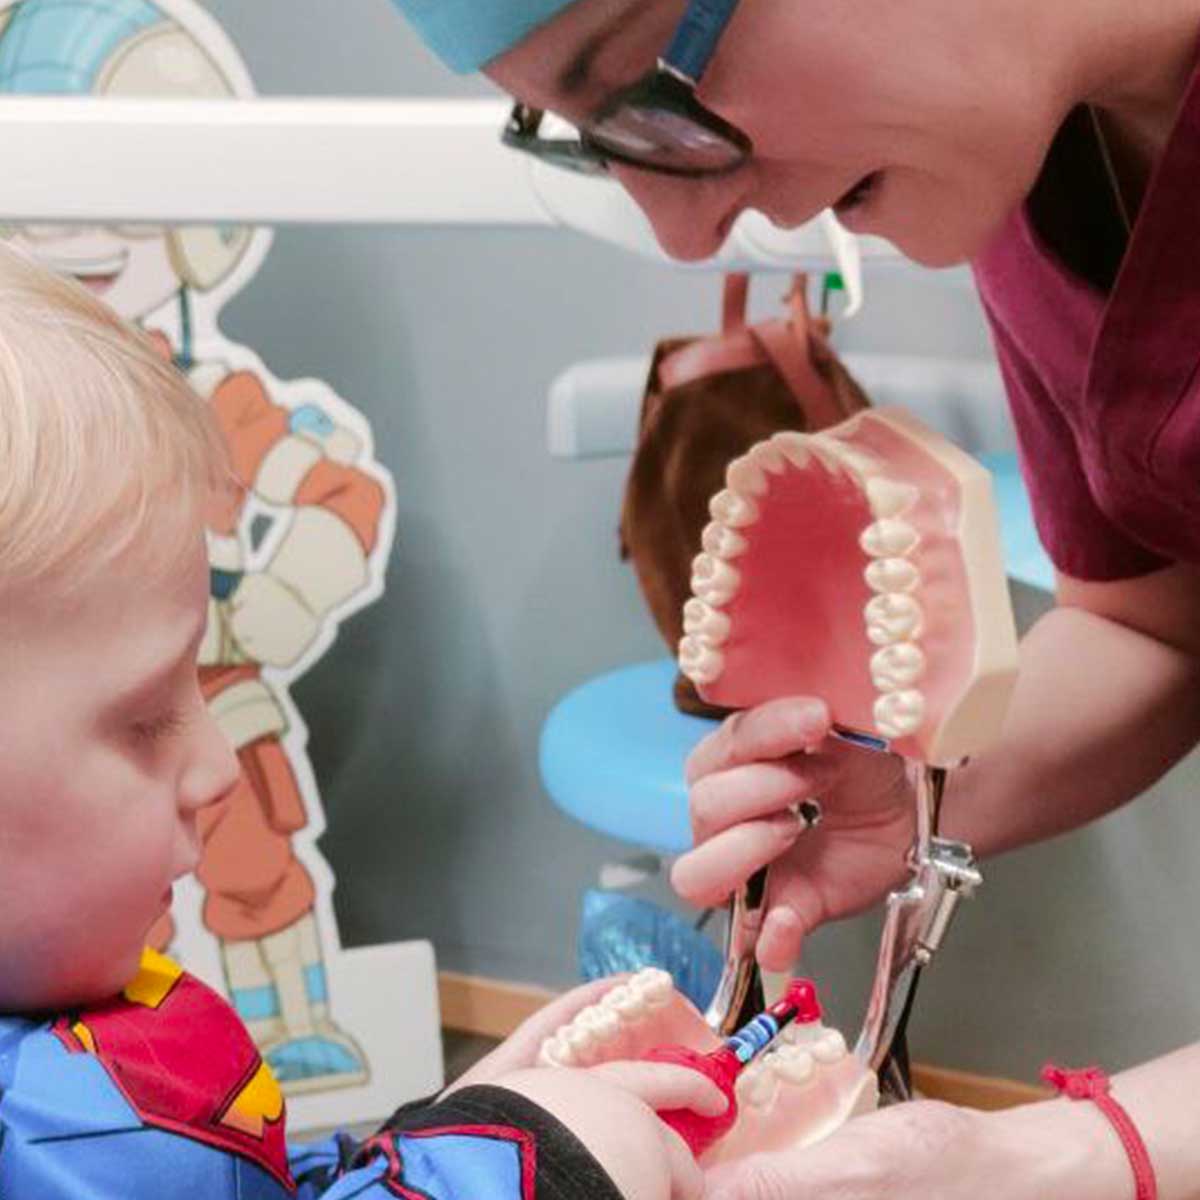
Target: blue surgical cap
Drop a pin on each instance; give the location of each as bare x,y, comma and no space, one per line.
465,34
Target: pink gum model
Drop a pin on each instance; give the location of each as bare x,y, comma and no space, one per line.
861,564
803,1088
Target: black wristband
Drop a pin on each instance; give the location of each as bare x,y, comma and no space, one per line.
565,1169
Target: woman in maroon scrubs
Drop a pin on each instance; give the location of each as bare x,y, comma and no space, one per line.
1056,146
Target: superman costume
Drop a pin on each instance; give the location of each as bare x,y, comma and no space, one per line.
160,1093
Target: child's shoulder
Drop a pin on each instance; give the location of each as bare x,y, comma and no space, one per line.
169,1056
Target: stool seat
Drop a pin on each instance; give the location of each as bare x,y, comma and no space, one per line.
612,755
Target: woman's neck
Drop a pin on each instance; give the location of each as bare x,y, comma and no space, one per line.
1136,63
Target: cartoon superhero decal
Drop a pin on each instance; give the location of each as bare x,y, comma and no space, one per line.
156,1042
303,548
158,1092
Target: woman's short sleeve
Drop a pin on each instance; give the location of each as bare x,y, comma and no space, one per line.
1080,538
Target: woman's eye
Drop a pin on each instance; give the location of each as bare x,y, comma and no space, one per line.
159,727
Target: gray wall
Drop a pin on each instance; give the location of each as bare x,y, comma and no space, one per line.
505,591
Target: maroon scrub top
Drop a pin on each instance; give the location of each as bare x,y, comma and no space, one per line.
1104,381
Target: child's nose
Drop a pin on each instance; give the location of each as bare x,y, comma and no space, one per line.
213,771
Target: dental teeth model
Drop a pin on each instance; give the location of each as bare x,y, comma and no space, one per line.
725,1065
793,1091
861,564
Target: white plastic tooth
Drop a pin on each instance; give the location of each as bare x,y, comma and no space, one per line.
897,667
793,1065
803,1033
826,453
890,498
581,1042
733,510
892,575
746,477
889,538
699,662
858,461
830,1047
723,542
714,580
603,1022
622,1000
757,1085
893,618
654,985
899,714
794,446
703,621
556,1052
769,456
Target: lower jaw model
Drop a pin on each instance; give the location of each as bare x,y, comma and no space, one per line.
802,1089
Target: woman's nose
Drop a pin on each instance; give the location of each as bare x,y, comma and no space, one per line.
691,217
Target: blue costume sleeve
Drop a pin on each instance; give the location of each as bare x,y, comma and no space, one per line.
482,1143
316,1166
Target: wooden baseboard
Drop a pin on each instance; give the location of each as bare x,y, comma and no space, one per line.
973,1091
487,1007
493,1008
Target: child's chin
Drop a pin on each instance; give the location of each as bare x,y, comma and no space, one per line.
124,969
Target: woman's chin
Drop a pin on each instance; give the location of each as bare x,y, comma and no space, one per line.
940,234
936,245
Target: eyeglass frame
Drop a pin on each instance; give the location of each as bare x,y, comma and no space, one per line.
672,83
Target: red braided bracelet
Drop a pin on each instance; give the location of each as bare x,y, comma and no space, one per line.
1093,1084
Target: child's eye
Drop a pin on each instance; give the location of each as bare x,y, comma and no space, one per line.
162,726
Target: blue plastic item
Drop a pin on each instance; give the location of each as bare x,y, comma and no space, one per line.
465,34
612,756
624,933
1024,558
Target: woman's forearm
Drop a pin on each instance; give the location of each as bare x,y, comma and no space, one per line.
1071,1147
1100,712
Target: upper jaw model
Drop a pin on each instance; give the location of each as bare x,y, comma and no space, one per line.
802,1089
862,564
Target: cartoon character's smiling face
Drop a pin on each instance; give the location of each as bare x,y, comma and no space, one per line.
127,266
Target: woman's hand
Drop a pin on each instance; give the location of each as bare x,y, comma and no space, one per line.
932,1151
746,778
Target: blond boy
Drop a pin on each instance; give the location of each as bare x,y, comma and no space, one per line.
120,1075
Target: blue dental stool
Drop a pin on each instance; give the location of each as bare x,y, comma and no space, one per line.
613,750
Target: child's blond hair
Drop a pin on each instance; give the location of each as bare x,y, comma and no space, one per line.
104,447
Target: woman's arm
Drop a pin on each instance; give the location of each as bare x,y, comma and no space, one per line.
1064,1149
1107,700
